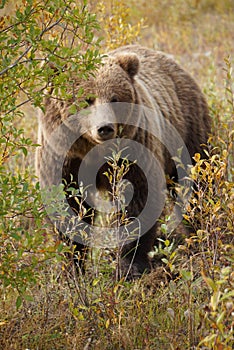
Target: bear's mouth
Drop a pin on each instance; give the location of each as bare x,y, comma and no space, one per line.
103,132
106,132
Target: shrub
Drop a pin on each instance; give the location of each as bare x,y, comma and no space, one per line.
38,36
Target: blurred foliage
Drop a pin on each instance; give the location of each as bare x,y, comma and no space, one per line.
115,20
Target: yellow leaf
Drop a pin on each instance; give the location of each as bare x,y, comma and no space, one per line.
214,300
197,157
95,282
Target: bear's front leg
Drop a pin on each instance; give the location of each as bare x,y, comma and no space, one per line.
135,258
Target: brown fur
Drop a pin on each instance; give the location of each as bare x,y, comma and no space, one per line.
137,75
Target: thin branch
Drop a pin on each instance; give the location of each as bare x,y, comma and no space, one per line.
16,62
29,48
19,105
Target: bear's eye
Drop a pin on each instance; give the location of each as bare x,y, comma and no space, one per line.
114,99
90,101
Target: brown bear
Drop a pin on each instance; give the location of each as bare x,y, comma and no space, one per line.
140,95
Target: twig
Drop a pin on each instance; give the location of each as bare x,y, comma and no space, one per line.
17,61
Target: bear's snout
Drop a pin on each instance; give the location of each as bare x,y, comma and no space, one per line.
106,132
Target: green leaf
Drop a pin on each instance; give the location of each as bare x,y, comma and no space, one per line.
164,228
227,295
95,282
28,297
165,261
19,301
208,340
220,317
3,4
210,282
186,275
60,247
73,109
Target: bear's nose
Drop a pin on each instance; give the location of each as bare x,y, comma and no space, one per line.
106,132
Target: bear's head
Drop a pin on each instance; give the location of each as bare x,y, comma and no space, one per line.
113,83
111,86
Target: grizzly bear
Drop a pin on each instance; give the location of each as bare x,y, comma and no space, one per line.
145,100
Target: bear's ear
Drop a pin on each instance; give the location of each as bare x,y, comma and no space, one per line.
129,62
